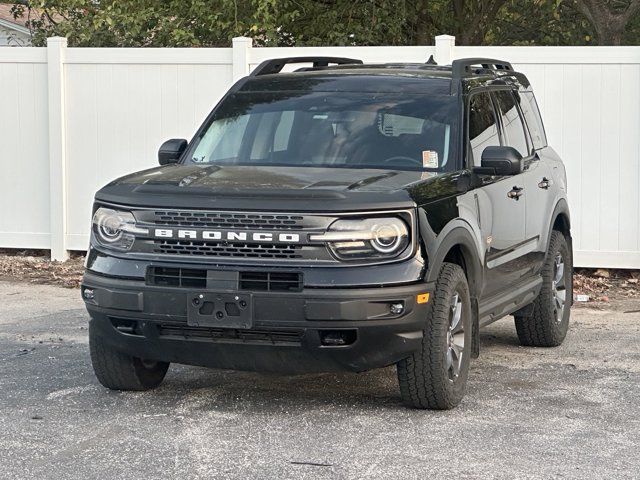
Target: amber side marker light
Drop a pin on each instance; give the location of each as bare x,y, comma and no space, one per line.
422,298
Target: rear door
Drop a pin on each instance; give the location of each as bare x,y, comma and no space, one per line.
501,216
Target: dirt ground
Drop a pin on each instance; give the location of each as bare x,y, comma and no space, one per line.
34,266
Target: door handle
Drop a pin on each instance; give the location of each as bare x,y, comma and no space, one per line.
515,193
544,183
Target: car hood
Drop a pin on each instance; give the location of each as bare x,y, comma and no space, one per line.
259,188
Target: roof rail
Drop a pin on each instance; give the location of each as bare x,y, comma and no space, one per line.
277,64
460,68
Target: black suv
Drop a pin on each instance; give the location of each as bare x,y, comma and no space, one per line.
343,216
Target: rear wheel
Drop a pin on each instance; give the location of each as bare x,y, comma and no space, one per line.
118,371
548,324
435,376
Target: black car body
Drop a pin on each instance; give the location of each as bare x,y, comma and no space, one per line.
243,251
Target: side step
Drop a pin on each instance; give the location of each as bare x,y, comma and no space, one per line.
502,304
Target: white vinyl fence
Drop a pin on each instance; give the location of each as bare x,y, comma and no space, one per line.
72,119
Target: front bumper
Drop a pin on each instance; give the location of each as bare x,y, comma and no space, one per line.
289,331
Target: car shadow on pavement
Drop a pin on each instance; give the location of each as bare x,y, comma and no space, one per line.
198,388
498,335
221,389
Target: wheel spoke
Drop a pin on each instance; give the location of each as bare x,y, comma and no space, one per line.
559,275
449,358
457,359
458,341
456,314
454,301
560,298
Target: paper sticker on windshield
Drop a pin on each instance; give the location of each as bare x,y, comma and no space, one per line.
429,159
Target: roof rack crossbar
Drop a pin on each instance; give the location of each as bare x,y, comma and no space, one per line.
277,64
460,68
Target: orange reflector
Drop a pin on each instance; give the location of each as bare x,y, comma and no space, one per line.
422,298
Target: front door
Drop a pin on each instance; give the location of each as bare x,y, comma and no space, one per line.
500,202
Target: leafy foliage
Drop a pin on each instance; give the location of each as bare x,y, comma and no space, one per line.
152,23
211,23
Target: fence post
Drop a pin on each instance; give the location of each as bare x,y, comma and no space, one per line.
444,49
56,53
241,53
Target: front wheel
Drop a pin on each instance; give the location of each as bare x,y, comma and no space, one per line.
118,371
435,377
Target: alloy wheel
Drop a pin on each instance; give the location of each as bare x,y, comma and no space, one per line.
559,287
455,337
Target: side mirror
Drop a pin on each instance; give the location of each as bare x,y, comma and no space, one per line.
500,161
171,151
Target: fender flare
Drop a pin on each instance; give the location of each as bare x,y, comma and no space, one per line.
463,237
561,208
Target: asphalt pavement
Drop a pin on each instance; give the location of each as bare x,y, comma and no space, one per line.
567,412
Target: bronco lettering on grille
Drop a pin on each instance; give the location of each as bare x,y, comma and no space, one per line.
227,235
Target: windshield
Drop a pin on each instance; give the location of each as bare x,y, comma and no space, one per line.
330,129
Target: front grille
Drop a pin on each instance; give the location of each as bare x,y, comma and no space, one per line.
256,336
177,277
271,281
196,247
237,250
228,220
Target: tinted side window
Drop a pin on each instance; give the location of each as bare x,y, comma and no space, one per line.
483,131
531,113
513,128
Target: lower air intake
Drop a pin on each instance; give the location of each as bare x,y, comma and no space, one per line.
271,281
230,335
177,277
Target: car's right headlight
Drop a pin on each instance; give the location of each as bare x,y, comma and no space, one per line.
115,228
368,238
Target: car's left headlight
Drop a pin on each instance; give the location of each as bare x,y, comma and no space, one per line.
115,229
368,238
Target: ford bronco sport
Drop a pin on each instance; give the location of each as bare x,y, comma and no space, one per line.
341,216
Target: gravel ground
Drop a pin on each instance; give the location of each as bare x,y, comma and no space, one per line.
568,412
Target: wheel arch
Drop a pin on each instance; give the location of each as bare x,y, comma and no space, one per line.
458,246
561,221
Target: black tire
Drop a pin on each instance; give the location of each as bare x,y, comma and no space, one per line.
548,323
119,371
431,378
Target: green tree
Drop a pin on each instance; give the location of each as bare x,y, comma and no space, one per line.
153,23
377,22
541,22
212,23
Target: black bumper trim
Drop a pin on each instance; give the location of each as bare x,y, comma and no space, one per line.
304,318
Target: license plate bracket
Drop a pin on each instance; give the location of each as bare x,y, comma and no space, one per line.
222,310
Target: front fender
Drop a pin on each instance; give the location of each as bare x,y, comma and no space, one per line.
456,232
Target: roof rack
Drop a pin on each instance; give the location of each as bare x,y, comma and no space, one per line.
277,64
460,68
